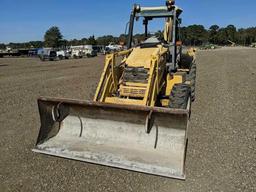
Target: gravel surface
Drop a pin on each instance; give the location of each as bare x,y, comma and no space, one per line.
222,136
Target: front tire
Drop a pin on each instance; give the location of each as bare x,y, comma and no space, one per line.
179,97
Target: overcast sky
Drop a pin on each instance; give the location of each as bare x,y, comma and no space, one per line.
26,20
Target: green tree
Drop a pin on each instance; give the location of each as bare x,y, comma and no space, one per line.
91,40
106,39
231,32
73,42
35,44
213,34
222,38
138,38
53,37
196,34
84,41
63,43
247,36
2,46
123,39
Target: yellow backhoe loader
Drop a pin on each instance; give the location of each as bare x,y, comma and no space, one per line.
141,109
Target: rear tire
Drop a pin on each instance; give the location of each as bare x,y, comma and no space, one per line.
180,96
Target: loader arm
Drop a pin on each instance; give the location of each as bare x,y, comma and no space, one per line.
110,76
111,88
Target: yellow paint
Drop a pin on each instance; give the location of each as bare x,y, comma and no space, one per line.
168,30
154,92
192,52
129,91
151,79
165,102
171,81
141,57
121,101
134,84
153,59
103,75
124,53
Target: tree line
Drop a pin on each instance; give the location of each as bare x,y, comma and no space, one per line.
192,35
198,35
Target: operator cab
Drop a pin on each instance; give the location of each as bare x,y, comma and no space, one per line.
171,35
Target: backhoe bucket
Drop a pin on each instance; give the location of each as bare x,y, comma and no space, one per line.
144,139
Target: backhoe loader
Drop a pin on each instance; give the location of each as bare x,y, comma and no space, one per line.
139,117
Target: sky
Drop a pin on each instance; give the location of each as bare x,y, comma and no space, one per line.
27,20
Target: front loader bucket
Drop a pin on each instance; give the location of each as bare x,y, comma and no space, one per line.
143,139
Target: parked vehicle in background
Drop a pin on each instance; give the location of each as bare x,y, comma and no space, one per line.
63,54
47,54
112,48
83,51
9,52
8,49
23,52
88,51
33,52
76,53
99,48
107,51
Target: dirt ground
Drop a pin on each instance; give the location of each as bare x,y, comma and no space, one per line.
222,136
